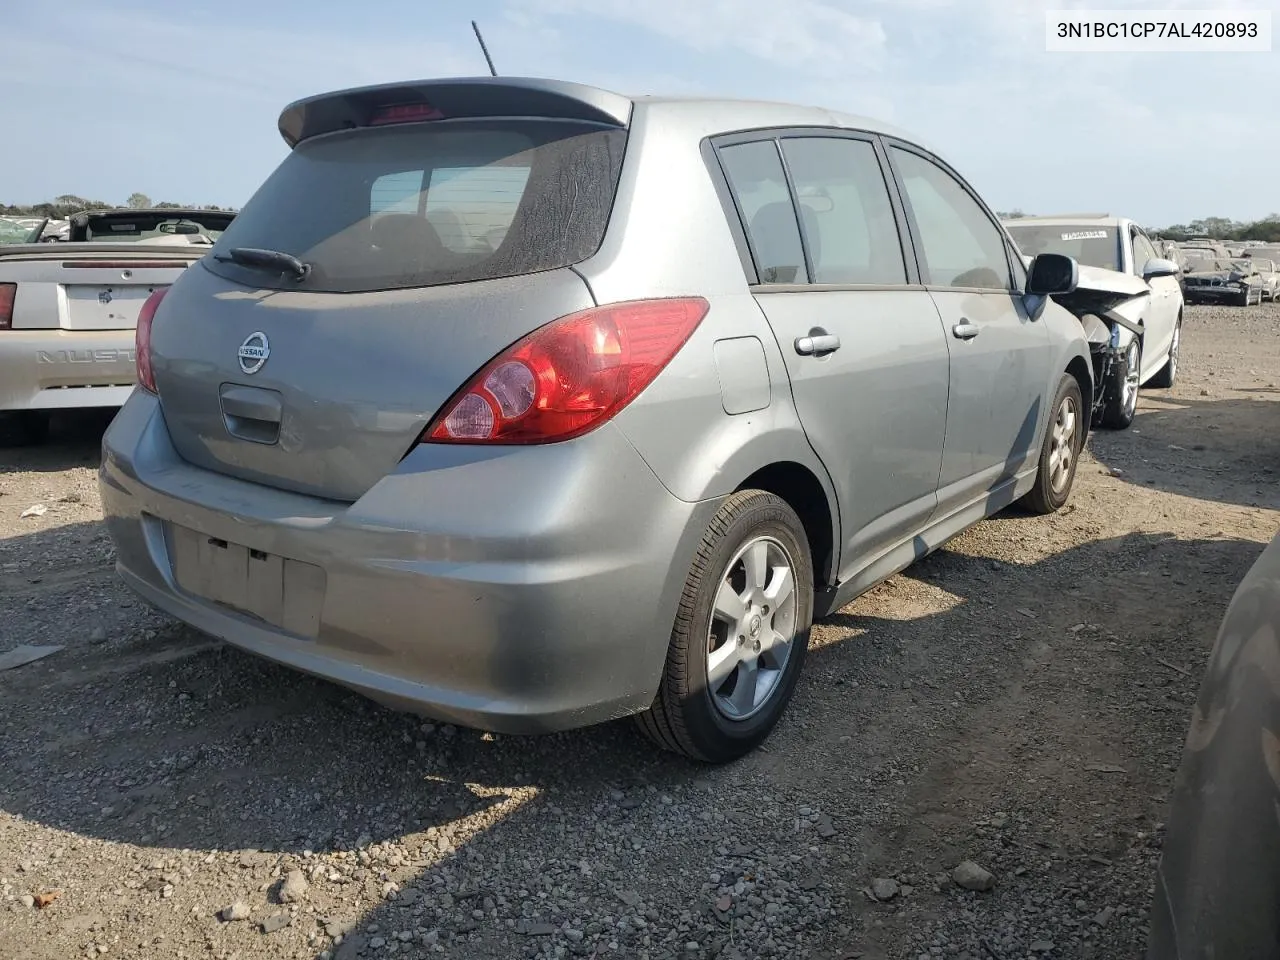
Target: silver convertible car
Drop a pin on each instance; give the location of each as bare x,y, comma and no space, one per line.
526,405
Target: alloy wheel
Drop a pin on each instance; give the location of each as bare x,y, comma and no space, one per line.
753,627
1062,444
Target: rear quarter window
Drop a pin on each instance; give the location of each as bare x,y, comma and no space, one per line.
432,203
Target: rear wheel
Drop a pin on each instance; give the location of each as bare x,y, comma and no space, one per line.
1168,374
1060,450
740,634
1120,392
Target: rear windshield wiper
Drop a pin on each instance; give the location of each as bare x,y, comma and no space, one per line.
272,260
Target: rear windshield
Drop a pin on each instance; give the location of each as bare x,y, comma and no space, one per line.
1092,246
183,229
422,204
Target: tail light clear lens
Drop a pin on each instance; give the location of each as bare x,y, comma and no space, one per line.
8,293
142,339
570,376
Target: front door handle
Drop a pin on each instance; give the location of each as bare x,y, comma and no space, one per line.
964,330
818,343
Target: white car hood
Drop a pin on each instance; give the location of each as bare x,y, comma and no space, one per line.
1119,297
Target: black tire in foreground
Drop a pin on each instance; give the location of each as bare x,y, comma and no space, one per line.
1060,450
741,632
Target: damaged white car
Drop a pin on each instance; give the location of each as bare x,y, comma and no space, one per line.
1129,300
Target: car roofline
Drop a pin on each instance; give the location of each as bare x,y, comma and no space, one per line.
535,97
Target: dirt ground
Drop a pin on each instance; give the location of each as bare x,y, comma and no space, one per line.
1019,699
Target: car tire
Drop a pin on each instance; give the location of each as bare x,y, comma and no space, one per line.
1167,375
31,427
1059,451
1120,392
1245,298
724,625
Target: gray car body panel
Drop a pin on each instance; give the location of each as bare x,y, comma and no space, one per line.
470,590
1218,882
496,564
357,376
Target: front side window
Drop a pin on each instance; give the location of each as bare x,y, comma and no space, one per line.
755,175
960,246
845,211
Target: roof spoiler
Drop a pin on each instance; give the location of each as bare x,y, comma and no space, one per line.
468,97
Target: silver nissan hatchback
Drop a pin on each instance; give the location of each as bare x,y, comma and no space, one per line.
525,405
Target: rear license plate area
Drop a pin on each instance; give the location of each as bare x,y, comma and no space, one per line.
285,593
104,306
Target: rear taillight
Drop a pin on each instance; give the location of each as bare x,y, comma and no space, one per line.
570,376
142,339
8,293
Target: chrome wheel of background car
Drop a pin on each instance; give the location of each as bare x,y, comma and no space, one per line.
753,624
1062,449
1132,375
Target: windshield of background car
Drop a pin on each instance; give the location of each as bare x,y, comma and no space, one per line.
423,204
1244,266
115,229
1091,246
11,231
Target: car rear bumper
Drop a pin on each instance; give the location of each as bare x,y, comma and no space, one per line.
1212,294
65,369
520,590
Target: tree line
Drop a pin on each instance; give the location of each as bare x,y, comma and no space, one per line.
1266,230
61,207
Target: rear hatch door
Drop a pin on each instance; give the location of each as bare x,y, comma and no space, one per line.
430,247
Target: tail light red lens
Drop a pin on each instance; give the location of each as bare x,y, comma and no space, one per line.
8,293
570,376
142,339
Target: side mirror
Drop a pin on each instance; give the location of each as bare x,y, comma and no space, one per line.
1052,273
1159,267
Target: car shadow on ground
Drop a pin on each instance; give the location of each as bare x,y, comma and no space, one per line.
75,440
1166,449
169,741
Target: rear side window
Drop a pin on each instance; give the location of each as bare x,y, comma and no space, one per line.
432,203
845,211
961,245
755,175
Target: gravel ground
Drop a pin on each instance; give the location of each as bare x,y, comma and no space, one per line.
1007,714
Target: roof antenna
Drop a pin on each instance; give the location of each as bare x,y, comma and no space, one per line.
488,59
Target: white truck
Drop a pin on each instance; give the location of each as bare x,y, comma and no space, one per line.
68,309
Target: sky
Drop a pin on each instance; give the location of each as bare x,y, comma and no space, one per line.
180,100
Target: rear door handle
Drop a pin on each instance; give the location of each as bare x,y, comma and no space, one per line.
817,344
964,330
